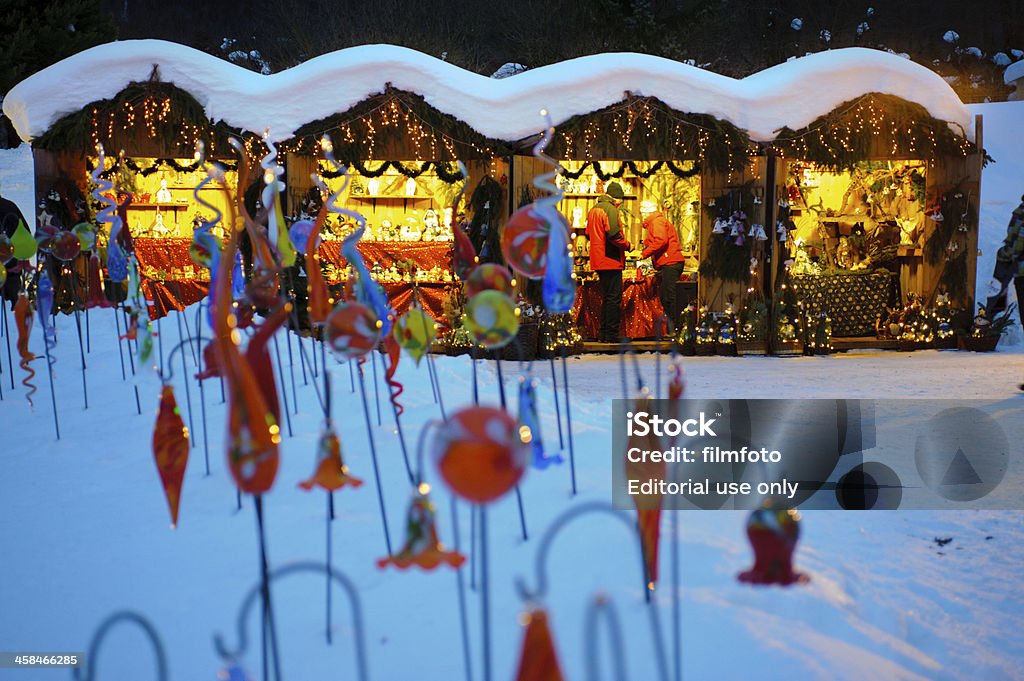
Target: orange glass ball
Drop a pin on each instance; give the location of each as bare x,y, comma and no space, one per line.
352,330
481,453
524,241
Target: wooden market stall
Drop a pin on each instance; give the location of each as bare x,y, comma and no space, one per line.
149,131
879,206
405,181
671,159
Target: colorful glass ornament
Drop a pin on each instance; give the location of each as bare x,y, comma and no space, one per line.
538,659
531,422
331,473
367,291
480,453
24,245
44,306
352,330
524,239
318,301
117,263
23,321
66,246
170,449
773,534
415,331
6,248
86,234
45,236
492,319
3,274
464,259
489,277
422,547
253,432
648,506
677,384
299,234
559,288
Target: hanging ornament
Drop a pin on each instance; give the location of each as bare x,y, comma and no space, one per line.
492,319
773,534
367,291
352,330
6,248
677,384
204,250
648,506
277,229
170,449
559,288
524,239
531,423
44,306
319,300
720,226
538,659
415,331
23,321
480,453
299,234
464,259
66,246
422,547
24,245
45,236
331,473
86,234
489,277
3,274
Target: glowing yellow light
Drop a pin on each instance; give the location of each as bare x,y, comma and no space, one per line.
424,488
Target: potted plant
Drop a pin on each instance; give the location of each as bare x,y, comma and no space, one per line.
687,338
787,333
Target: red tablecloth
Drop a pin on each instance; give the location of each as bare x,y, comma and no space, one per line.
171,281
640,307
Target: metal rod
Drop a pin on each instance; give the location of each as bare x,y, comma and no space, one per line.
558,410
376,467
568,424
284,388
461,587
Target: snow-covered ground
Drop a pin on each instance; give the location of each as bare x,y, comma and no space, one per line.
84,527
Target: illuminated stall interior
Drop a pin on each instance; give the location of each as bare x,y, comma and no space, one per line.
402,155
672,187
878,216
664,160
149,132
843,217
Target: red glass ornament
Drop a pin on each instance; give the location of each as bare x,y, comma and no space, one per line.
480,453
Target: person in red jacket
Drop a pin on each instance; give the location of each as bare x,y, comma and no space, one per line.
662,245
608,246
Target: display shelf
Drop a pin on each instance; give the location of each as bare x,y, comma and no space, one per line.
376,197
568,195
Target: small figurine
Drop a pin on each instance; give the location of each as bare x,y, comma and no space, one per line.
773,534
163,195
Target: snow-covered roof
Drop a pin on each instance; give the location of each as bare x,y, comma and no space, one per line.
792,94
1014,72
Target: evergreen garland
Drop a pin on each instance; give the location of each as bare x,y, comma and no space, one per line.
850,132
647,128
178,122
444,171
382,119
677,170
487,204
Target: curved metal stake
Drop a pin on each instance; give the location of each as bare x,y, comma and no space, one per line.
101,632
601,608
306,566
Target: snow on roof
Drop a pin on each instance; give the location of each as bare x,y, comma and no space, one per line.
792,94
1014,71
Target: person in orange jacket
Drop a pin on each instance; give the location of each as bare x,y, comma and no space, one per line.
608,246
661,244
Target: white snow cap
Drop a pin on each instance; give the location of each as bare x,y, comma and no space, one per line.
1013,72
791,94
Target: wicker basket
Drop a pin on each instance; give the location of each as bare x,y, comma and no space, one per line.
945,343
744,348
704,349
524,346
725,349
979,343
904,345
789,348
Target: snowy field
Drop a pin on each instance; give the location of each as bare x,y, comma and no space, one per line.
85,530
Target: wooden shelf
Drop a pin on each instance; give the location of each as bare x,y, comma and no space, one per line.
375,197
169,206
591,196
